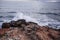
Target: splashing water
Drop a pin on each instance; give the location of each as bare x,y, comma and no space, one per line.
20,15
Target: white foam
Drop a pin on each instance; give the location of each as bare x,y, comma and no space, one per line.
49,21
20,15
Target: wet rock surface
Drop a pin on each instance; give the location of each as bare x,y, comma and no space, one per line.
22,30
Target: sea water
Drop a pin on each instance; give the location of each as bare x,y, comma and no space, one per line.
43,13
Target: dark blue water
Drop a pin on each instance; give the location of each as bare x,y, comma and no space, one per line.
45,13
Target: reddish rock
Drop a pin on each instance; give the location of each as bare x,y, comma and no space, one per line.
22,30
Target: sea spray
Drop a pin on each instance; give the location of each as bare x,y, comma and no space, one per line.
20,15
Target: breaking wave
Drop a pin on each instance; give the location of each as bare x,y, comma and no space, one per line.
20,15
42,19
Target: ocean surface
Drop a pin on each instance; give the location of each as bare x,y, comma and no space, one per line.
43,13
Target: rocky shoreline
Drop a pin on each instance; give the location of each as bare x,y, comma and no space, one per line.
22,30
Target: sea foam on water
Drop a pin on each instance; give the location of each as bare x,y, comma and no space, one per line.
20,15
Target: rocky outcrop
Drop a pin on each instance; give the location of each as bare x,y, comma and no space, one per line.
22,30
